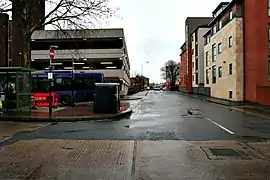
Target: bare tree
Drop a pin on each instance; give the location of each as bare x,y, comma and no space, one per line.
63,14
170,72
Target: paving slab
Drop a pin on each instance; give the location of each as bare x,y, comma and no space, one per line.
161,160
66,159
140,160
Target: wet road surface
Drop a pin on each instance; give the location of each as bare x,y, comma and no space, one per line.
164,116
168,136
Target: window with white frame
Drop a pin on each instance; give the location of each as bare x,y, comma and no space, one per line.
207,58
214,29
214,53
230,15
220,24
268,7
219,48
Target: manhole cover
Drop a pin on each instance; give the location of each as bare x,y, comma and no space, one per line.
224,152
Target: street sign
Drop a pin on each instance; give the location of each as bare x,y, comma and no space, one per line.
50,75
51,53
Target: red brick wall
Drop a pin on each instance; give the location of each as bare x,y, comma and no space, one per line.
183,71
256,22
189,84
3,40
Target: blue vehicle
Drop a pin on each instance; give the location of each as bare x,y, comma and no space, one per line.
67,84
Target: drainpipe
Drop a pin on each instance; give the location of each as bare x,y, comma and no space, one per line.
244,51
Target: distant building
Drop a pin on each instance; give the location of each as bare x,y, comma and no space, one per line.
183,69
17,35
139,82
191,24
197,45
4,40
236,53
99,50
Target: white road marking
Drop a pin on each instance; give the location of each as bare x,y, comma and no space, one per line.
225,129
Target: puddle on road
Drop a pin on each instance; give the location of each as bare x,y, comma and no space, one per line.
139,115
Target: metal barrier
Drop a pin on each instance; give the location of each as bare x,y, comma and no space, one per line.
42,99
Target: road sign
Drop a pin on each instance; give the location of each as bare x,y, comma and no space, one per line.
51,53
50,75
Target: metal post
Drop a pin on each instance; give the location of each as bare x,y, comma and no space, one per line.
72,82
50,77
50,91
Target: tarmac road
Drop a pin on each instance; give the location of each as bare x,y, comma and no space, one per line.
168,136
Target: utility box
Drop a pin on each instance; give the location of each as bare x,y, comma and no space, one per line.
106,98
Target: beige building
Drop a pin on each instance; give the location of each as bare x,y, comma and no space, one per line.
197,44
223,53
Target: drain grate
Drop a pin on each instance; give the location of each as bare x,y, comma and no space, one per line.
223,152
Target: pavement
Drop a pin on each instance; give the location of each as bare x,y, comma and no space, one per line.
65,114
168,136
249,108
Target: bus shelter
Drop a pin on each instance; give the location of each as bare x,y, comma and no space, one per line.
15,88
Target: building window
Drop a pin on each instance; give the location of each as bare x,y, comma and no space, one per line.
192,77
196,64
219,48
192,65
230,69
214,53
220,24
230,41
207,76
214,29
207,58
269,36
214,74
208,39
220,71
192,51
197,78
230,15
196,50
268,7
192,38
230,94
268,68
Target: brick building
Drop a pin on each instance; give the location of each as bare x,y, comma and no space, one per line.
192,23
139,82
37,14
183,72
3,39
236,52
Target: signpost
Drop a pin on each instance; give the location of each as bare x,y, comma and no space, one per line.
50,77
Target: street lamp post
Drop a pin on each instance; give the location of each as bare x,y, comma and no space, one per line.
50,77
72,83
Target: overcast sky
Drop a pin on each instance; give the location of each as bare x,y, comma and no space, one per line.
154,30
